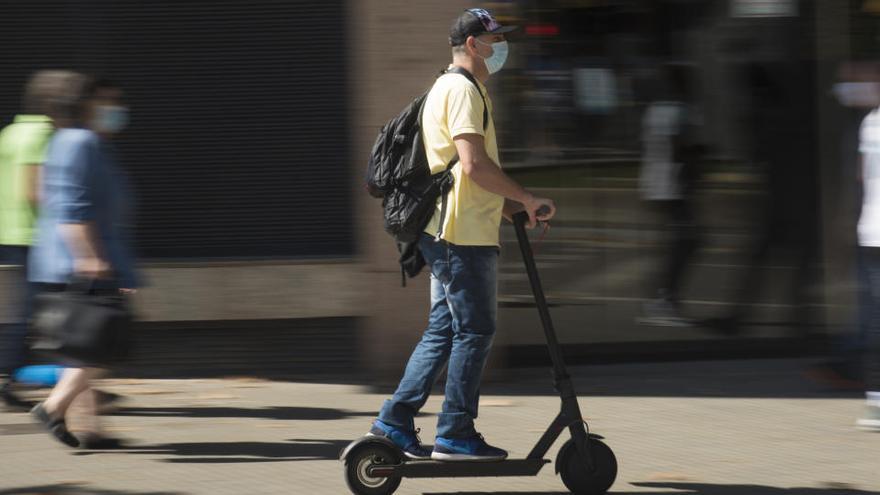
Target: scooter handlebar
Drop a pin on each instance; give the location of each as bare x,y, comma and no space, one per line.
522,218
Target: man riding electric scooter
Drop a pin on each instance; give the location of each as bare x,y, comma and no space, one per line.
462,253
460,247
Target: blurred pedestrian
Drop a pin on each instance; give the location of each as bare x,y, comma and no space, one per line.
786,226
858,93
22,152
869,240
82,232
671,151
462,253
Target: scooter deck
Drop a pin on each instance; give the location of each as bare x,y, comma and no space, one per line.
461,469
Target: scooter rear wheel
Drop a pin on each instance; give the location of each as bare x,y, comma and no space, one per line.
578,477
356,470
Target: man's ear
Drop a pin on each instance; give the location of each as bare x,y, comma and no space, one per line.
471,42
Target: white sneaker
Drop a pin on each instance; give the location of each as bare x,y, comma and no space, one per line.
662,313
871,421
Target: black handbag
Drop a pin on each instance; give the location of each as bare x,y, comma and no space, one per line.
89,326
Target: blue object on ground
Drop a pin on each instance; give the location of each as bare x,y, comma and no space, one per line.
46,375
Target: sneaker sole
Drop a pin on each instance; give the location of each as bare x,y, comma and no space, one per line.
441,456
660,321
417,458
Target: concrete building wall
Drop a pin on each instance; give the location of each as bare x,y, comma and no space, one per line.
215,291
401,46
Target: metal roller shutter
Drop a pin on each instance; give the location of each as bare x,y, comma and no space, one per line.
239,141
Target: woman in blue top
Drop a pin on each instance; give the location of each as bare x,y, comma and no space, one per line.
81,230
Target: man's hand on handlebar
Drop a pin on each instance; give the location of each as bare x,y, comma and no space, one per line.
539,210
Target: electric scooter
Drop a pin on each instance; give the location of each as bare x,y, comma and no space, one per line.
374,465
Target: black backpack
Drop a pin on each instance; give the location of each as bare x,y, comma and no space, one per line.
398,172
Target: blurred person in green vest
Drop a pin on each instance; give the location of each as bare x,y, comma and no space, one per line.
22,151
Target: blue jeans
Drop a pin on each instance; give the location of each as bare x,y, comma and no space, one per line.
460,331
13,337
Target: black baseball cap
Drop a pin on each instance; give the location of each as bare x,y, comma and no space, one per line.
474,22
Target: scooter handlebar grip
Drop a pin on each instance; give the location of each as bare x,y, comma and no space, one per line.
543,210
523,218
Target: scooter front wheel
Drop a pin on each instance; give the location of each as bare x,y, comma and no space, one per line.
578,477
358,463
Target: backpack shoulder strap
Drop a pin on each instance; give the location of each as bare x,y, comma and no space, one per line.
470,77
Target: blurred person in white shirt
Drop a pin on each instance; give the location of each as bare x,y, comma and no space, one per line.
869,243
666,182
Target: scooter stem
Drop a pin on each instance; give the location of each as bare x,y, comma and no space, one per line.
559,370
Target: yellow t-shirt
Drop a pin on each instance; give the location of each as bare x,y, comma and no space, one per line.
454,107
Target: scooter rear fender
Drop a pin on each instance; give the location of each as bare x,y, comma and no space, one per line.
365,440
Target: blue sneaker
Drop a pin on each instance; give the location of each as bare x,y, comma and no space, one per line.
408,441
474,448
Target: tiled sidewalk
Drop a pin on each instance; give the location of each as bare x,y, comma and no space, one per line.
750,428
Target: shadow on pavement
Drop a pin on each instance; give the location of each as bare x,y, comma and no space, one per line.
697,489
708,489
240,452
280,413
75,489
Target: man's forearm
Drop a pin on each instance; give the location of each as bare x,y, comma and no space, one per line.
33,174
490,177
81,240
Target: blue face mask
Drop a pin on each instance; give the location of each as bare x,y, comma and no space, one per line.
495,62
857,94
110,118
